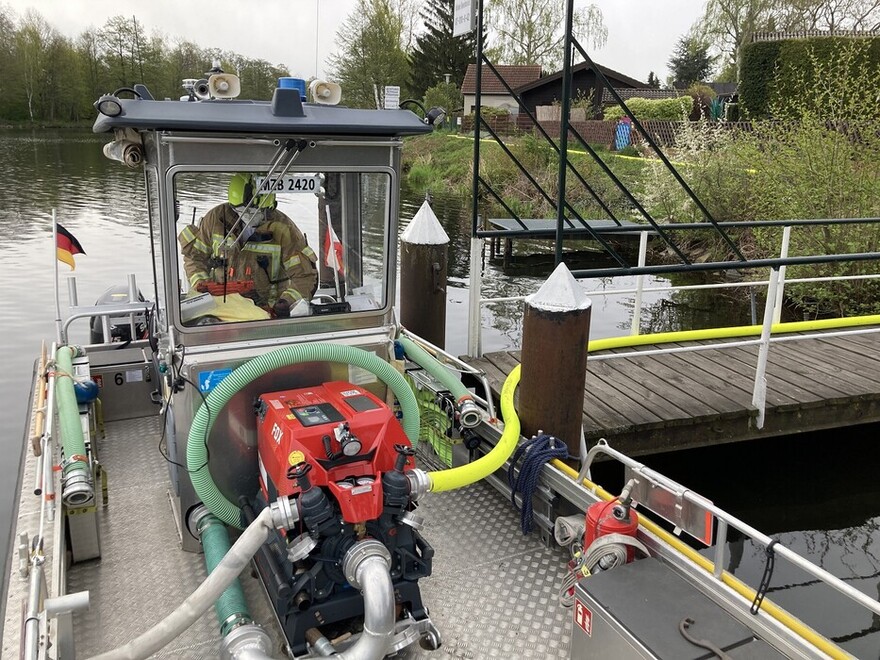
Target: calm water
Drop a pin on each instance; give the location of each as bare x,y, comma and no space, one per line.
796,484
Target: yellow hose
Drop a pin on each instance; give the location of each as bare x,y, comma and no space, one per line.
465,475
741,588
725,333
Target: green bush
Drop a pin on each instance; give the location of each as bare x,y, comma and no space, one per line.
445,95
670,109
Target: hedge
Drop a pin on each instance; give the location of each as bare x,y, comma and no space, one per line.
762,60
672,109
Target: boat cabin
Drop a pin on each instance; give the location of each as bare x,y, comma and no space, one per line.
252,203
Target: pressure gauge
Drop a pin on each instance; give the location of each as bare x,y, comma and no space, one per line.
352,446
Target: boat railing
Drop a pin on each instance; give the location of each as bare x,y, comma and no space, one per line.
726,521
774,286
673,499
104,312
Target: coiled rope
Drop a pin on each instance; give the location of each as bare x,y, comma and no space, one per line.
534,453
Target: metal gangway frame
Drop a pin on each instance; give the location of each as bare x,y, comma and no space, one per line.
570,223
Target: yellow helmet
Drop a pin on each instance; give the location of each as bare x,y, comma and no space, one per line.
242,187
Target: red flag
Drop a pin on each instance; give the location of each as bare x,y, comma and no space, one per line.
66,246
333,250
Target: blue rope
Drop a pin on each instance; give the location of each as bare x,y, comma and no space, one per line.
534,453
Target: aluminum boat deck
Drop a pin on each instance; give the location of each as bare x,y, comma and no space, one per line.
493,592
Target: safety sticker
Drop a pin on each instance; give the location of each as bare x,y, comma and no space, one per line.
583,617
296,457
208,380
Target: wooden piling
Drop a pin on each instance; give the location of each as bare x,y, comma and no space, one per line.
424,252
556,329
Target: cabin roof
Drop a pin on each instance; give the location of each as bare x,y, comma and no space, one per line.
281,115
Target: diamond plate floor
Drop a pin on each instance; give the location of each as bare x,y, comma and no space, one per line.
492,593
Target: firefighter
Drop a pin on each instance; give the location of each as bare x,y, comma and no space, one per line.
271,252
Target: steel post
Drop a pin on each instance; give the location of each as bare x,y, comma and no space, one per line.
640,284
475,300
759,395
563,127
783,253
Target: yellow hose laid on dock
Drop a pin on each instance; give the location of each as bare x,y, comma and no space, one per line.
744,590
729,333
464,475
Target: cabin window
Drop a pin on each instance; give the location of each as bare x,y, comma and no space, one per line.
255,248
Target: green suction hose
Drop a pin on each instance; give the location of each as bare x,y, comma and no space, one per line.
231,607
196,445
77,486
469,415
430,364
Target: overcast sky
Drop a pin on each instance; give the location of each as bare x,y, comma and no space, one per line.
641,33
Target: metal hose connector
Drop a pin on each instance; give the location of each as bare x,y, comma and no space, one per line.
419,483
469,414
366,566
248,642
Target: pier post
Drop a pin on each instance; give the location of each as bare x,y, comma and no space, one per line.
424,248
556,329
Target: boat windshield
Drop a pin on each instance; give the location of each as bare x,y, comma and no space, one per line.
257,248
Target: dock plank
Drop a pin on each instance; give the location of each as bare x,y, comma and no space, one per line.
829,365
736,374
701,402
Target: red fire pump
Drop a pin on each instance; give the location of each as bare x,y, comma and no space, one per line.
344,432
341,455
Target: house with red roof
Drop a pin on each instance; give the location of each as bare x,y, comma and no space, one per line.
493,92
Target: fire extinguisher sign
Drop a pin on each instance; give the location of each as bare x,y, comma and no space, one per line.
583,617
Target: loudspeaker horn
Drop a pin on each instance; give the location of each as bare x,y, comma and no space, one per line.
200,89
325,92
224,86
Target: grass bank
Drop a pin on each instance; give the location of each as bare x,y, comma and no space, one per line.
443,161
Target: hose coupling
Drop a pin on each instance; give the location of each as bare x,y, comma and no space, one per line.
247,641
285,513
199,518
76,487
469,414
419,483
361,552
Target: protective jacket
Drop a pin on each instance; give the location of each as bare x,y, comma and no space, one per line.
276,257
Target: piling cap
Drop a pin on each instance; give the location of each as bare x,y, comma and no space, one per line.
560,293
425,228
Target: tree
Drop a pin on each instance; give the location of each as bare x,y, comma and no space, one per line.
33,40
445,95
653,80
371,54
437,52
731,24
531,31
690,62
832,15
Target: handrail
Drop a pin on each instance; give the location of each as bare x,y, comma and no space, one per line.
726,520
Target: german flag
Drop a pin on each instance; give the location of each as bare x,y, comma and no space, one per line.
66,246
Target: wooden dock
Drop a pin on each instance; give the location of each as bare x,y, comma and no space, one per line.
674,401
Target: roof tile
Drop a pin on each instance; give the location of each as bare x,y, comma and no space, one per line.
514,75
